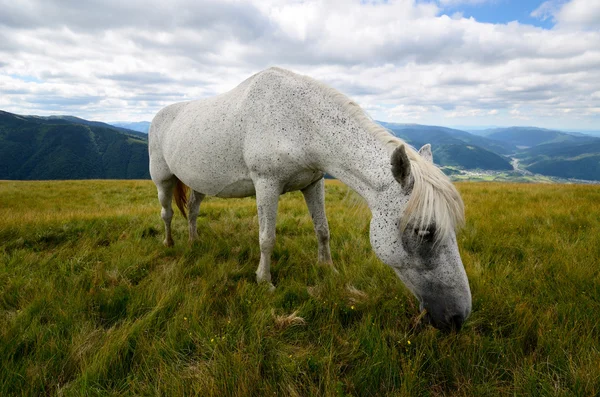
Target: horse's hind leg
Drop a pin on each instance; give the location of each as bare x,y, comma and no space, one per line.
314,195
194,209
165,183
165,196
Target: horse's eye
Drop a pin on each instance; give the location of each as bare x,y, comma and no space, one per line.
425,234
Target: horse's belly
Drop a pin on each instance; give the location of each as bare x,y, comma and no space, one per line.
245,187
238,189
301,180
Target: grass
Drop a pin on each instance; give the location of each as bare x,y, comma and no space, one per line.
91,303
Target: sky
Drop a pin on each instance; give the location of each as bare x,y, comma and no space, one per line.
460,63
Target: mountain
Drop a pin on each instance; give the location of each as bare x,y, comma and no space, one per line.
531,136
539,150
455,147
66,147
580,160
140,126
441,135
593,133
77,120
469,157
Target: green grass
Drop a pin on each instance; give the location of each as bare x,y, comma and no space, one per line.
91,303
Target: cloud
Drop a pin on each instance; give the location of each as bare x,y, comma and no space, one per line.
400,59
547,10
580,14
575,14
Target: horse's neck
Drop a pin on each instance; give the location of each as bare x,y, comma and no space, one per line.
357,158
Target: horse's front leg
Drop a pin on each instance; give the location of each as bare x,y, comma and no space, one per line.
314,195
267,198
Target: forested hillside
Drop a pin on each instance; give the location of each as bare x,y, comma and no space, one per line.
69,148
455,147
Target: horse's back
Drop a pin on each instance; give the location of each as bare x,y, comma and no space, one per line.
214,145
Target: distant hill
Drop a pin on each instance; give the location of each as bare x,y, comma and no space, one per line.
67,147
541,151
140,126
469,157
594,133
77,120
587,167
566,159
531,136
455,147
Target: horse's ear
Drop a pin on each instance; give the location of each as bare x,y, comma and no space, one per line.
426,153
400,165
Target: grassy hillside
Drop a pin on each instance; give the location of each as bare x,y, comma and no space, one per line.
92,304
69,148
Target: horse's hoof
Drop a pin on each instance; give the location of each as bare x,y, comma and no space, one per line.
268,283
329,264
325,259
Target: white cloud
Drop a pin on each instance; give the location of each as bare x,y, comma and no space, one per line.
547,9
574,14
579,14
401,60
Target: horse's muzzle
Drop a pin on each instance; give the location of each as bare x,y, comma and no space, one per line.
444,321
453,324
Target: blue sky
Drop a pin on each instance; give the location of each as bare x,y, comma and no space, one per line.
443,62
501,11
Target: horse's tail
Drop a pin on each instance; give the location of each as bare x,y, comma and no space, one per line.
181,197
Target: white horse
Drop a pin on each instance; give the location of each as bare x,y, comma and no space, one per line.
277,132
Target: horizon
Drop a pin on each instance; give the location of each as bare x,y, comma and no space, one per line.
457,127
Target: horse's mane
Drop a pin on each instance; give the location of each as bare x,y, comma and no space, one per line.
433,200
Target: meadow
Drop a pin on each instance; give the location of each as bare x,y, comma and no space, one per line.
91,303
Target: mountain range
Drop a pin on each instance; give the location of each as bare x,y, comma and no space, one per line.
525,137
140,126
568,155
67,147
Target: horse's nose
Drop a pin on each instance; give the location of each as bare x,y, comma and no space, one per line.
456,322
445,322
453,324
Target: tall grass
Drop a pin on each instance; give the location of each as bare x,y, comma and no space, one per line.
91,303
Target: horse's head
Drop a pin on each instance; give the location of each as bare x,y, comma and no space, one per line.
414,233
